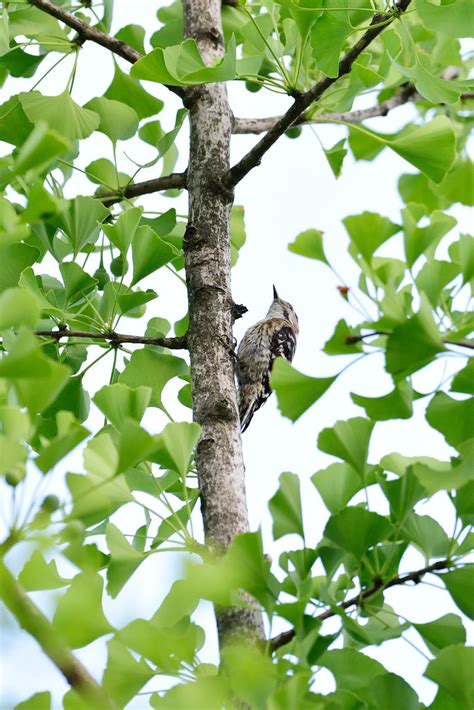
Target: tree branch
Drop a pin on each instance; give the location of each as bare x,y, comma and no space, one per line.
167,182
39,627
407,93
282,639
303,101
175,343
351,339
86,32
260,125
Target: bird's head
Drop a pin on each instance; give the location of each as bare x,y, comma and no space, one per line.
283,309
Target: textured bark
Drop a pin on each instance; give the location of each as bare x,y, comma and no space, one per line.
211,310
167,182
261,125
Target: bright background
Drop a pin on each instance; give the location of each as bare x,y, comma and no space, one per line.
293,190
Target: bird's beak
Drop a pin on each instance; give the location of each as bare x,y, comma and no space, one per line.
275,294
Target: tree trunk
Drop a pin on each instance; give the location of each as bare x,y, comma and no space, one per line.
207,257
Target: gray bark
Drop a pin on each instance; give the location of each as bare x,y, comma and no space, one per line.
207,258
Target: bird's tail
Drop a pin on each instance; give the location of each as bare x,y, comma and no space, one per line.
248,404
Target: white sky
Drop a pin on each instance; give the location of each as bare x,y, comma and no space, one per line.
292,190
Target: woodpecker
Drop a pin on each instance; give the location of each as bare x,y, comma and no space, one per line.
269,338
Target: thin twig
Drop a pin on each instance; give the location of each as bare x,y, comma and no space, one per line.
287,636
167,182
260,125
87,32
351,339
304,101
174,343
39,627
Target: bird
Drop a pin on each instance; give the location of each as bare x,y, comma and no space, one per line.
273,336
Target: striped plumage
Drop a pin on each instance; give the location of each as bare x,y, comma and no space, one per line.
268,339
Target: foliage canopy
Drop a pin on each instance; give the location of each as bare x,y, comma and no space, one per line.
73,268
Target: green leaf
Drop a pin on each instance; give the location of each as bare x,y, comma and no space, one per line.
464,502
418,189
453,418
18,307
101,492
440,475
11,229
79,618
416,146
37,379
337,484
356,529
176,446
368,231
124,560
124,676
391,692
335,156
459,584
456,186
452,670
102,172
450,18
442,632
251,674
238,234
431,87
285,507
413,344
210,692
76,281
135,445
398,404
426,534
117,120
337,343
119,402
37,574
59,113
4,34
150,253
122,232
402,494
38,701
418,239
14,258
128,90
19,63
70,434
174,523
80,222
349,441
328,37
182,65
150,369
36,23
462,252
351,669
134,36
296,392
153,134
14,124
38,151
72,398
310,244
434,277
167,647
